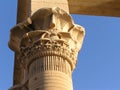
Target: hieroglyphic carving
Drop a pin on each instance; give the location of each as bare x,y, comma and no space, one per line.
48,32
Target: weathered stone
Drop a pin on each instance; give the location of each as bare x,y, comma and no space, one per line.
95,7
27,7
86,7
48,43
37,4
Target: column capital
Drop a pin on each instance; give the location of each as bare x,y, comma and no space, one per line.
48,43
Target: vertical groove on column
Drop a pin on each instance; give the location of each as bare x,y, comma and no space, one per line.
46,63
45,71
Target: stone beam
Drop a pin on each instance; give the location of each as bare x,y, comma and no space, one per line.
95,7
86,7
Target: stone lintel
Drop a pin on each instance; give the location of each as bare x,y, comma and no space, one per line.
95,7
86,7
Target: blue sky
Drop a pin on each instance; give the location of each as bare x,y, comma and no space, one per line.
98,66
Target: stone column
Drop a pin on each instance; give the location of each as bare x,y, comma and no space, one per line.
47,44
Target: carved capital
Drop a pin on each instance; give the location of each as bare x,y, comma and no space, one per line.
49,20
49,35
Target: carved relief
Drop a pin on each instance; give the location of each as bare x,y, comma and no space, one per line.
48,32
51,23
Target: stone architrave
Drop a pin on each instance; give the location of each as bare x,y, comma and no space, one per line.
48,43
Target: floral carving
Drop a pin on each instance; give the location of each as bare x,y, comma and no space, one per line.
48,32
